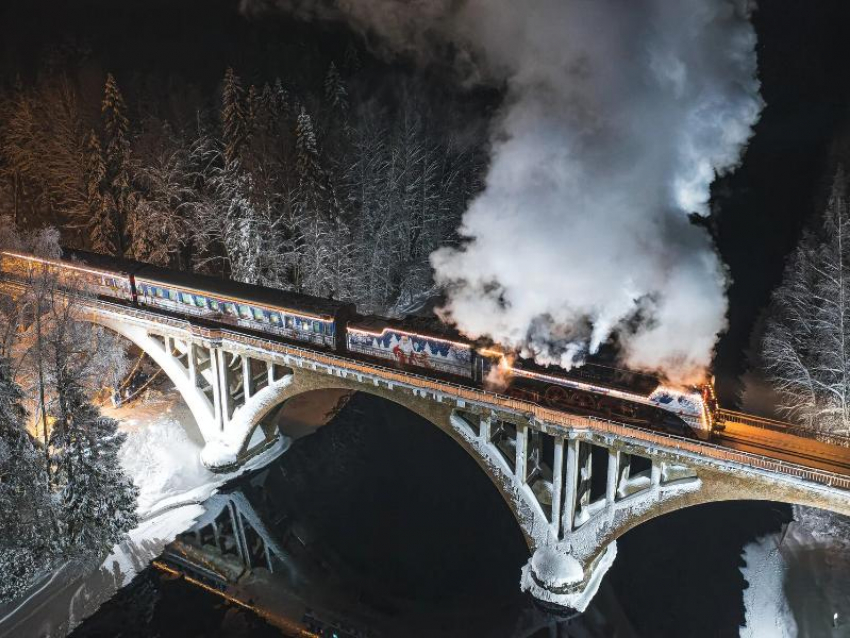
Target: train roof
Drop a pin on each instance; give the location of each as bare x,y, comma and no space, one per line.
598,372
101,262
214,285
425,326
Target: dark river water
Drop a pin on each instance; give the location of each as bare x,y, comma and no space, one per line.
391,529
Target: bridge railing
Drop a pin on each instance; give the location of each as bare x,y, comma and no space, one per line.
704,448
541,413
785,428
474,395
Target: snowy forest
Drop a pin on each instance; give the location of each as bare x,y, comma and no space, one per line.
324,185
805,349
62,490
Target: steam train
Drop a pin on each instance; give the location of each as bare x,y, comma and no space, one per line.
416,344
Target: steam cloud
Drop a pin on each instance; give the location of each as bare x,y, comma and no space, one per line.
618,116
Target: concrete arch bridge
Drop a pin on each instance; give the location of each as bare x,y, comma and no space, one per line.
574,484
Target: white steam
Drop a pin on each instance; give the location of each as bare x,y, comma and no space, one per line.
618,116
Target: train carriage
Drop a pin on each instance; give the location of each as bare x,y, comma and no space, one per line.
289,315
402,344
94,276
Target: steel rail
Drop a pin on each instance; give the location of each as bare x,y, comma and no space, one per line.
839,440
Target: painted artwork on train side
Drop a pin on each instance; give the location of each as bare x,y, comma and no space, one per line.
414,351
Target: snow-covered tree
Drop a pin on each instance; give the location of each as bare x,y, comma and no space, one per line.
62,491
97,501
336,95
17,161
312,248
42,147
103,234
806,345
25,526
234,128
118,183
61,360
167,191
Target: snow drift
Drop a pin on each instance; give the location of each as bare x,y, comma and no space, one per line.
616,120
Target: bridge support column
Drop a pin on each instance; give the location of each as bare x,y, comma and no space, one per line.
193,364
246,378
484,432
557,485
554,575
655,473
215,382
224,379
613,476
521,463
571,484
584,478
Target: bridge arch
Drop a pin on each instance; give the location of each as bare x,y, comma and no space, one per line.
442,416
199,405
673,481
727,489
226,392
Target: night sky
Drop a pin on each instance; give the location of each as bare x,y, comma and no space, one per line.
759,211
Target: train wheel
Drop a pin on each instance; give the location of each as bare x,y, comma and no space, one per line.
556,396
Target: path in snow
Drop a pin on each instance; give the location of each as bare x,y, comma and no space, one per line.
766,608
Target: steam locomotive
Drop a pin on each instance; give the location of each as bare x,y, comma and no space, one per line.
414,343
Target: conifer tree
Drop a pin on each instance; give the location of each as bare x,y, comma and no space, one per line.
281,99
336,94
24,502
117,162
806,345
98,502
307,166
311,248
102,231
232,115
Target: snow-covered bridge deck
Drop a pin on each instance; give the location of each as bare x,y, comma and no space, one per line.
575,484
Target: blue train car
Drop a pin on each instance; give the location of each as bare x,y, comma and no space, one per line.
293,316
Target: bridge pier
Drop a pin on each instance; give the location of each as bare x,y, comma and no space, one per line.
553,575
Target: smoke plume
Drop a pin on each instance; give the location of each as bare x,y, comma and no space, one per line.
617,118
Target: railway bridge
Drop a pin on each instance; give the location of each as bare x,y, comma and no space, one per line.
575,484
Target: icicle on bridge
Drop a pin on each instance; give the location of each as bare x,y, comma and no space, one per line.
575,484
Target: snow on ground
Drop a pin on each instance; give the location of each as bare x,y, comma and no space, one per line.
766,608
162,456
798,581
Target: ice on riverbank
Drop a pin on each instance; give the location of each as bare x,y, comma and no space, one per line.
767,611
798,580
